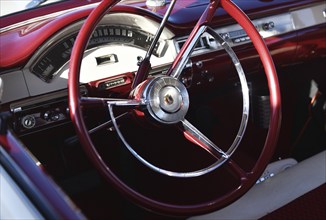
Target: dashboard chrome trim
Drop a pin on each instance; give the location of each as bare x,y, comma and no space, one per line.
234,35
269,26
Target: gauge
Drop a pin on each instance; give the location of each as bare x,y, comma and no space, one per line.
47,67
49,64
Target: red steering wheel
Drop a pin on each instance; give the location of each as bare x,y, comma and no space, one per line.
171,107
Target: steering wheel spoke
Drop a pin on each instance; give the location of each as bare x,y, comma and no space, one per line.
189,46
237,170
107,123
94,101
128,102
195,136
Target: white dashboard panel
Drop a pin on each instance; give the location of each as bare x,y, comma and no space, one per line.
126,61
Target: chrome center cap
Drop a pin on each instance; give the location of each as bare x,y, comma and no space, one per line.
167,99
170,99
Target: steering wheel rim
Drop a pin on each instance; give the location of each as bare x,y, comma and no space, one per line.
247,179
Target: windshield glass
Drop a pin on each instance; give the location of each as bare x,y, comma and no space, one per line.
12,6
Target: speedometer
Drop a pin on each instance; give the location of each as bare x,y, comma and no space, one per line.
50,62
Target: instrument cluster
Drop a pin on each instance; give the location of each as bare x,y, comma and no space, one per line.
49,64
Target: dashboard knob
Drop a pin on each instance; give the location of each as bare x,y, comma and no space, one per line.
55,116
28,121
225,36
199,64
268,26
46,115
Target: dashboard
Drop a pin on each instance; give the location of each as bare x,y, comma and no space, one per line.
111,59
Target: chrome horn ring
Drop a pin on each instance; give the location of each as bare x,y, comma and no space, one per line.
167,101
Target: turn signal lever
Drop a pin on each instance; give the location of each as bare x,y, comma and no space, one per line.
145,65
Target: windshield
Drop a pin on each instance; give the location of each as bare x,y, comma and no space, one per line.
12,6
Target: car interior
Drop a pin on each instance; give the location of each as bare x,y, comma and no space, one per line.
135,109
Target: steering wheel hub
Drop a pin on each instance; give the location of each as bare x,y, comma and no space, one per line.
167,98
170,99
